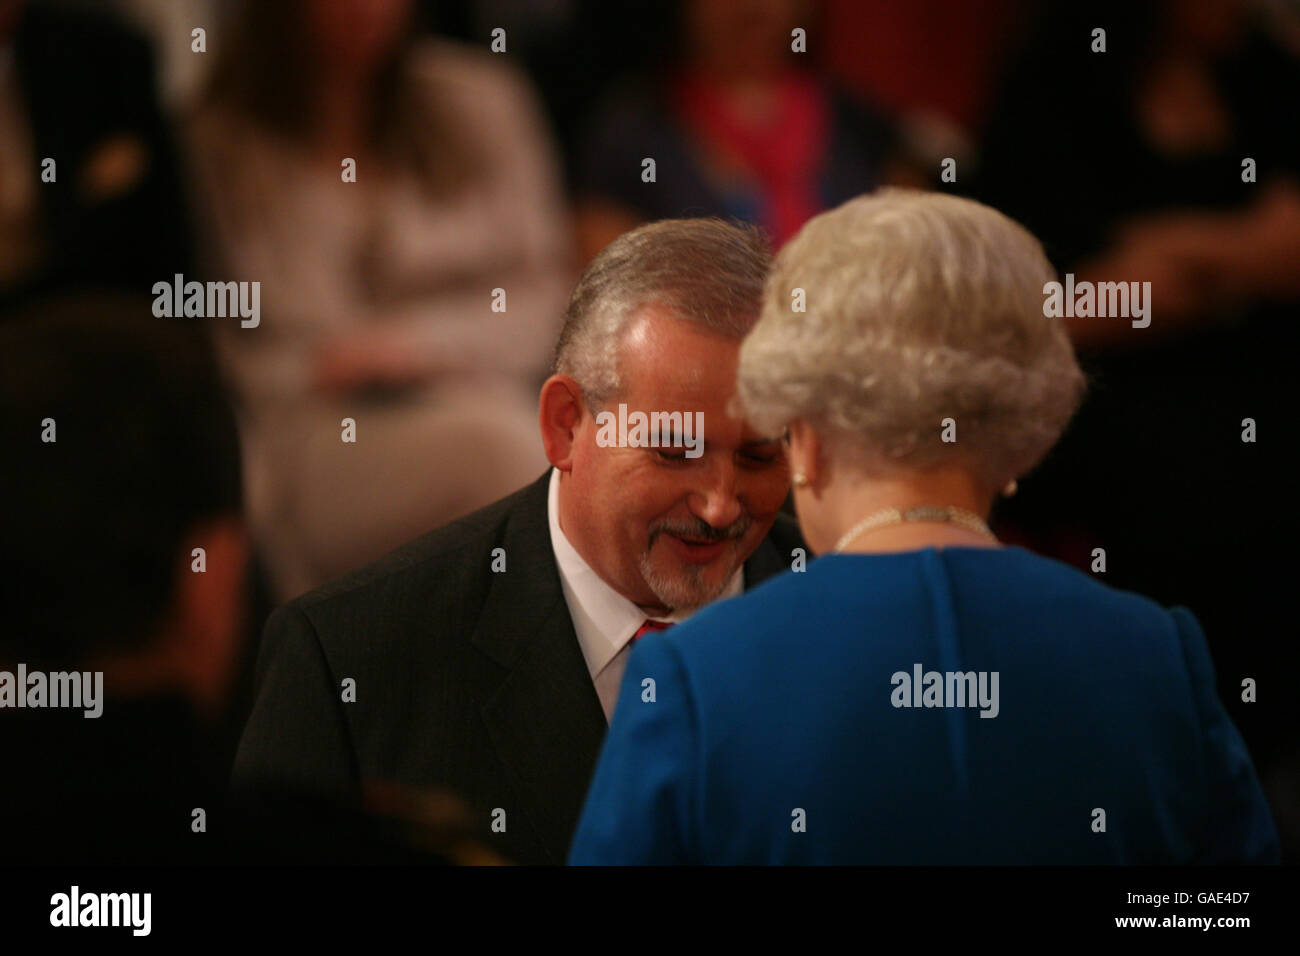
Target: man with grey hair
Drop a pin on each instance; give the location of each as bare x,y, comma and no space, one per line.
485,657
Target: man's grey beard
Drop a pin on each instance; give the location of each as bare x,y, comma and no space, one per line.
689,589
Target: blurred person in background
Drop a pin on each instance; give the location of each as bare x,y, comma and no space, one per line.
122,458
738,125
572,49
1129,165
1053,696
77,87
379,295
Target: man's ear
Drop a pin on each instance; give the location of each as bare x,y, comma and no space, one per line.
560,409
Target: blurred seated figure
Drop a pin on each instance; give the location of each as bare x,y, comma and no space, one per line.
122,461
738,127
420,300
1154,184
77,89
921,693
1171,158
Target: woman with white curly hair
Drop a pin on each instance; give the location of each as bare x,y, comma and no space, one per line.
920,693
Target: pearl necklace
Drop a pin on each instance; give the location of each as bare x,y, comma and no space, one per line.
887,516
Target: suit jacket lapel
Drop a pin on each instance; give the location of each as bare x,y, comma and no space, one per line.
544,719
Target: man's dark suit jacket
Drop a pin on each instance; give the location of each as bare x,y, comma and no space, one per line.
465,678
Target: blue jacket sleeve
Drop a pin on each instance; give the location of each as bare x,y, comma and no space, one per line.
639,808
1240,827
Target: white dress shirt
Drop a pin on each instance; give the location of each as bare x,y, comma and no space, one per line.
603,619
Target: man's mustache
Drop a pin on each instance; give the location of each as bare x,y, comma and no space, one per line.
701,530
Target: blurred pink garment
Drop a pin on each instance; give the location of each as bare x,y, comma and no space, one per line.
389,262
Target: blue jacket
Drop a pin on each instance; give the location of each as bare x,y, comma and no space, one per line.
963,705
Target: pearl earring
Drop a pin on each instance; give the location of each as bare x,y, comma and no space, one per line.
799,479
1010,489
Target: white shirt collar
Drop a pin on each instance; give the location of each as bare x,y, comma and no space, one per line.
603,619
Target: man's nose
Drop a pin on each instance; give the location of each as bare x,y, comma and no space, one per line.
716,500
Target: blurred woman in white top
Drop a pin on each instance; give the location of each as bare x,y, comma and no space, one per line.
420,300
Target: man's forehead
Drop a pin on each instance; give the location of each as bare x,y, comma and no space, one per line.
659,351
671,364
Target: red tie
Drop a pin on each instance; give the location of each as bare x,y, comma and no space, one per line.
649,626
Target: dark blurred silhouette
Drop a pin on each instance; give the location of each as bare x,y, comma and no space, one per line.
419,300
738,125
1129,165
98,573
573,50
97,533
77,87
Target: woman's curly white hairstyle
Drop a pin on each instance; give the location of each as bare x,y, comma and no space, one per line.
919,307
